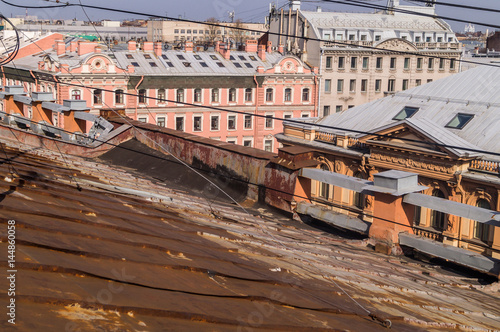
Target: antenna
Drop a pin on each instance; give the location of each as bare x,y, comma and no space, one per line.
231,15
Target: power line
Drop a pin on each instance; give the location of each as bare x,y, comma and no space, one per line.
456,5
268,32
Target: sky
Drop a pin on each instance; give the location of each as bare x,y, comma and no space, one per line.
252,11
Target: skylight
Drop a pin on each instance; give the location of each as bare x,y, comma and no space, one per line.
242,57
204,64
406,112
129,56
135,64
214,57
147,56
231,58
181,57
197,57
220,64
153,64
459,121
164,57
170,64
237,64
252,58
248,65
187,64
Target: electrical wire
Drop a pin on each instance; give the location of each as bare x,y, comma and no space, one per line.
335,42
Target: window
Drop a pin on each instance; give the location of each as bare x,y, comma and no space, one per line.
214,122
237,64
248,95
214,57
358,199
288,94
452,64
354,62
76,95
181,57
197,95
304,115
441,64
418,82
161,96
143,120
429,80
378,85
341,62
430,64
248,122
180,96
186,64
142,96
459,121
326,110
129,56
324,188
328,62
338,108
248,65
268,145
364,85
97,96
365,62
204,64
393,63
405,85
390,85
160,121
328,86
427,39
147,56
197,123
340,85
176,31
419,63
438,218
135,64
247,142
153,64
417,39
253,58
220,64
269,121
406,112
164,57
305,94
377,38
269,94
379,63
481,230
287,116
179,123
232,95
215,95
119,97
231,122
407,63
352,86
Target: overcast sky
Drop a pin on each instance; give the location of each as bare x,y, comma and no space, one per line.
254,10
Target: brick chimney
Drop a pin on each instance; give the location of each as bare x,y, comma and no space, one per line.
60,47
189,46
147,47
85,47
269,47
73,46
225,51
262,52
72,124
251,45
158,48
217,46
132,45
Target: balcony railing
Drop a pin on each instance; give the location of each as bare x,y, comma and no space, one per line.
429,233
485,165
331,138
326,137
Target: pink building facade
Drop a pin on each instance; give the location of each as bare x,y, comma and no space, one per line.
227,95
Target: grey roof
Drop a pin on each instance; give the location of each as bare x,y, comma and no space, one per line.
161,66
475,91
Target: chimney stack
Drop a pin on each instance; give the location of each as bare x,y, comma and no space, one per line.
60,47
132,45
251,45
269,47
73,46
158,48
225,51
85,47
147,47
262,52
189,46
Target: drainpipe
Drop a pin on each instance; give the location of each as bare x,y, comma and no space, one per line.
256,109
318,86
137,92
36,81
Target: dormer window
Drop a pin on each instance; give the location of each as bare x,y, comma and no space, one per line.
406,112
459,121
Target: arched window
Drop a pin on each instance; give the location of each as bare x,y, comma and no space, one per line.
481,230
75,94
119,97
305,94
438,218
324,188
180,95
97,97
232,95
288,94
358,199
142,96
269,94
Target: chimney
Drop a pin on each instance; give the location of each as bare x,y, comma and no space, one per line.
131,69
71,123
251,45
10,105
217,46
295,5
60,47
85,47
225,51
39,112
189,46
262,52
158,48
73,46
132,45
269,47
147,47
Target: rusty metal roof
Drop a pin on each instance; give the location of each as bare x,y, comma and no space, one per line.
90,254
